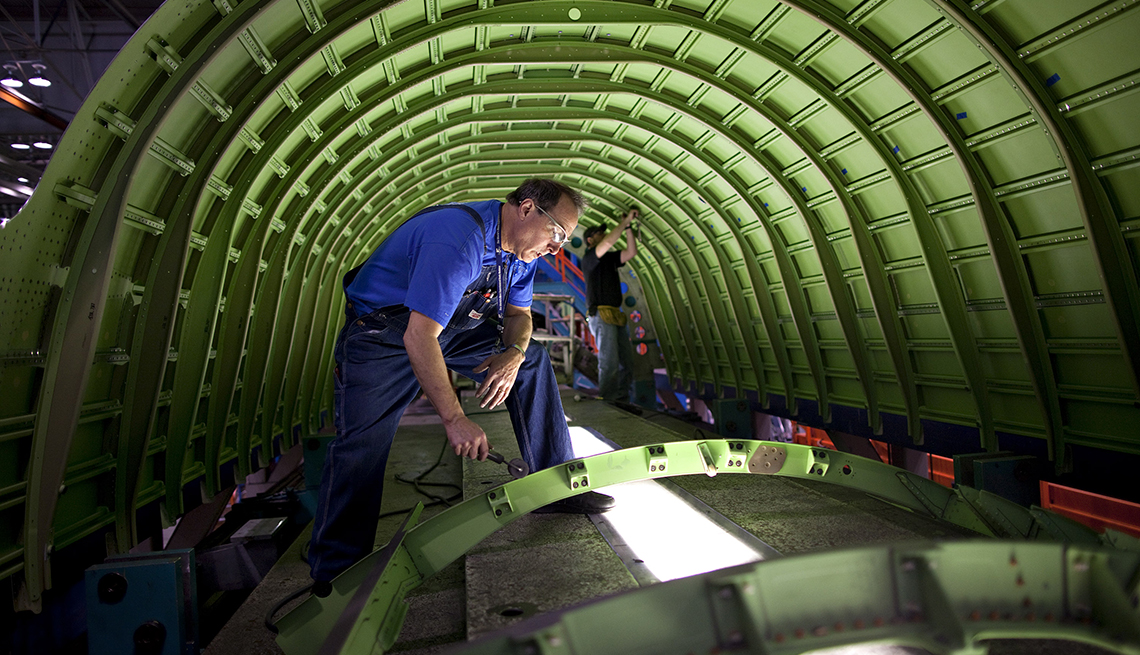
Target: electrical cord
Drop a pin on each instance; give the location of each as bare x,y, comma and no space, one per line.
416,482
269,624
419,480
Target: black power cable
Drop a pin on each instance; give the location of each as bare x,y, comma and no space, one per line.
416,482
419,480
269,624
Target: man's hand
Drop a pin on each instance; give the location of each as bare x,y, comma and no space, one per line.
629,217
466,438
501,371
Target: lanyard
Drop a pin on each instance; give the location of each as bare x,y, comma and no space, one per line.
503,294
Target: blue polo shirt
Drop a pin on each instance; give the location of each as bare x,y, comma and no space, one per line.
430,260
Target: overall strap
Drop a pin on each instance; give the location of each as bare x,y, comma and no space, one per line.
351,275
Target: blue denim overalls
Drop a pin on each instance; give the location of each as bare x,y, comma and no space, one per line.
374,383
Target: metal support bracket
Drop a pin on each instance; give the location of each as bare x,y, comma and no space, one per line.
500,502
658,459
576,475
708,459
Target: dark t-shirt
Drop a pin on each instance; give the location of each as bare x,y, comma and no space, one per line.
603,287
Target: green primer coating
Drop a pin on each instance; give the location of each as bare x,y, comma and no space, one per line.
919,208
429,547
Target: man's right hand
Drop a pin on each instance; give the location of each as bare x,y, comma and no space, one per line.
629,217
467,438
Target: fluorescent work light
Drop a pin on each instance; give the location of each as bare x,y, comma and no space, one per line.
663,531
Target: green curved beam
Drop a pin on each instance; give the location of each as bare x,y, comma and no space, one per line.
767,311
427,548
79,314
148,101
918,595
734,290
838,290
855,350
685,278
999,235
1117,271
763,300
653,272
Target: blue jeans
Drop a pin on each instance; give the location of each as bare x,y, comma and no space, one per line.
373,384
615,359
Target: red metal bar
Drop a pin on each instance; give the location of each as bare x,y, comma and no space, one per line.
809,436
563,263
1094,510
573,276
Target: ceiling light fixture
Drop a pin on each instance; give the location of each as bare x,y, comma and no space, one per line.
38,79
21,146
10,80
21,179
42,145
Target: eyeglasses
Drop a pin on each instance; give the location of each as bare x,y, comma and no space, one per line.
560,236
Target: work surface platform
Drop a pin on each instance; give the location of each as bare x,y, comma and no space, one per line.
544,562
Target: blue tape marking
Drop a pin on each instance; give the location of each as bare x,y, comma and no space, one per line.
896,150
845,171
1053,79
805,189
961,115
765,204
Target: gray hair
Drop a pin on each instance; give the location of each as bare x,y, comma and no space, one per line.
546,193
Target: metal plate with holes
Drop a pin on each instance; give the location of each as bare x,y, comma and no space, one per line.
767,459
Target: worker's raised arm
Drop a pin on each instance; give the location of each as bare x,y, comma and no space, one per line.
612,237
630,245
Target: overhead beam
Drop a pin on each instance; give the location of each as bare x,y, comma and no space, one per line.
32,108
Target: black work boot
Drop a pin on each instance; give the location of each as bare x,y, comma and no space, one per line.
590,502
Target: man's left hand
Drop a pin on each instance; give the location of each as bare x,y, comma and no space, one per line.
501,371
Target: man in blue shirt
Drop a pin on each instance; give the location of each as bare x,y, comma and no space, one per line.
448,289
